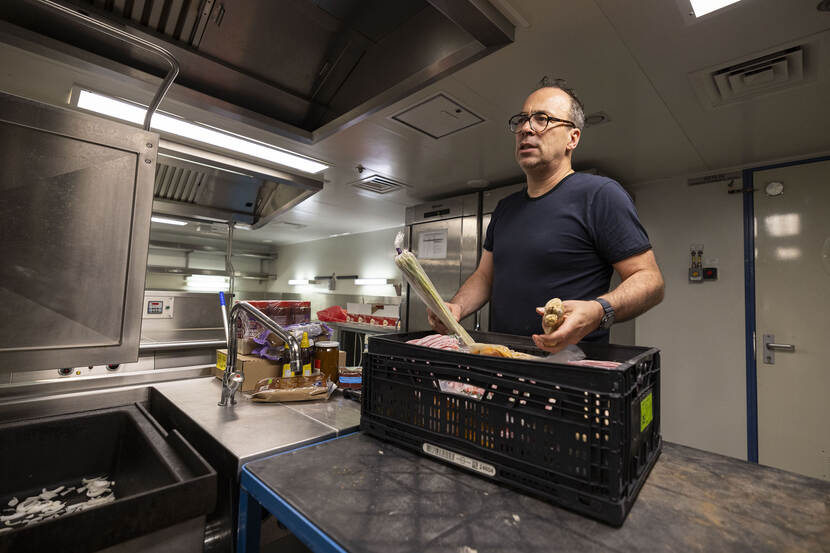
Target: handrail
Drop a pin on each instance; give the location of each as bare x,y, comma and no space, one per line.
146,45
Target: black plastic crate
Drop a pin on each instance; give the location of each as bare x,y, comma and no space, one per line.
582,437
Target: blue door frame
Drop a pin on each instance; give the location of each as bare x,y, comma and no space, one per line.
749,301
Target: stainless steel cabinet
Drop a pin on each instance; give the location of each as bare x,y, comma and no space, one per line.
77,193
443,235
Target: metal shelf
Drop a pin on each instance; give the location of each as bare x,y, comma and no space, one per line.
189,248
187,271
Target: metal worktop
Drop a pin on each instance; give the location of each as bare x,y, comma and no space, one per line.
250,430
370,496
363,328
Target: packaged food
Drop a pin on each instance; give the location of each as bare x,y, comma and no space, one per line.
351,378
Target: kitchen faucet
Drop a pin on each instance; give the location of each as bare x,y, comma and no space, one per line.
232,379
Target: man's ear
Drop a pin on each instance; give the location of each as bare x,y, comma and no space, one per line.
574,139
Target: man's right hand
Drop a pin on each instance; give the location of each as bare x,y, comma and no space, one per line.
436,323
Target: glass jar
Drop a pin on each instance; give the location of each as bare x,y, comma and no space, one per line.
328,354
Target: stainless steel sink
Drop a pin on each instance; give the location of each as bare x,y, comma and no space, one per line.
159,479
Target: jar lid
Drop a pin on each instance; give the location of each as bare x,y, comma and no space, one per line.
328,344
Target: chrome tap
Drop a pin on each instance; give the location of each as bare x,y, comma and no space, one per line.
232,379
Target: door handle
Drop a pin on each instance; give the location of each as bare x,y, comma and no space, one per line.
781,347
770,347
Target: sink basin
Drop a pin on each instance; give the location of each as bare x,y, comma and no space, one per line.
160,480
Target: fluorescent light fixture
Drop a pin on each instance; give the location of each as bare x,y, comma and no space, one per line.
702,7
126,111
371,281
167,221
300,282
206,283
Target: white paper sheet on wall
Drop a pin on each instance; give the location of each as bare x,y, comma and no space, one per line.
432,244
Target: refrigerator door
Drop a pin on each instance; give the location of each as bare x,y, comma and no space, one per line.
437,245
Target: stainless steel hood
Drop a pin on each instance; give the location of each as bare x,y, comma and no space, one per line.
305,68
203,185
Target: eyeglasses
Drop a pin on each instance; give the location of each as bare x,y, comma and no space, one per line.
539,121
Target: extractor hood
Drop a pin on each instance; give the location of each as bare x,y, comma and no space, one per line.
203,185
303,68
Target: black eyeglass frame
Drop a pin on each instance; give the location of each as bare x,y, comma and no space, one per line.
523,117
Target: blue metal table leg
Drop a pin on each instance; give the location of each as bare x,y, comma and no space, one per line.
250,519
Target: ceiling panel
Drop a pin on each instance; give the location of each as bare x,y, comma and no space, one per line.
787,123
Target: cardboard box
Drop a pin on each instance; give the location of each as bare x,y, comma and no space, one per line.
245,346
254,368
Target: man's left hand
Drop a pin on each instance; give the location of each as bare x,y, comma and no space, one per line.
581,318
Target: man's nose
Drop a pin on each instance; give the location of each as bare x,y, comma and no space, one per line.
526,129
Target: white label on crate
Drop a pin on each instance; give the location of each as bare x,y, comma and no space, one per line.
461,389
460,460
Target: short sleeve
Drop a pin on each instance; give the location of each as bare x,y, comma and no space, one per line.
615,225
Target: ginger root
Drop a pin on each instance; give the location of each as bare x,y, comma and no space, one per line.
554,315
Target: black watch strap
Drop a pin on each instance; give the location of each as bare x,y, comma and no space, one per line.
608,315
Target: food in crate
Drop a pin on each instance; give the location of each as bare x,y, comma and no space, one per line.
438,341
572,355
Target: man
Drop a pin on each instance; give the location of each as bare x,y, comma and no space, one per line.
562,236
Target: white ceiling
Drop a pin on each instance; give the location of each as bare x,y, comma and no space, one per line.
632,63
631,60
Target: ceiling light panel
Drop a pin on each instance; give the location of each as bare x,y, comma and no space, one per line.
702,7
126,111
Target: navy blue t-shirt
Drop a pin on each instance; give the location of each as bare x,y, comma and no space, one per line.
559,245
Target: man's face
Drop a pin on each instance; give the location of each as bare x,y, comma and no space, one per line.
535,150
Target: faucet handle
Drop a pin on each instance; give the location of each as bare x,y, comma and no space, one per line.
234,383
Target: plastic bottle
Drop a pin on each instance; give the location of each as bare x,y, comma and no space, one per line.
286,362
305,355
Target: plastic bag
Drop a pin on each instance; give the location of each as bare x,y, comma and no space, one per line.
334,314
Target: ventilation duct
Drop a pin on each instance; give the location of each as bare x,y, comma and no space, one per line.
301,68
749,78
202,185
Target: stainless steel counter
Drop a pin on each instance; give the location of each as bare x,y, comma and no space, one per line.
250,430
364,328
226,437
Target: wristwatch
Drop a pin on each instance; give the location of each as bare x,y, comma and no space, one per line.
608,316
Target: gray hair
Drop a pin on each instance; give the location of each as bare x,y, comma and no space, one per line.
577,111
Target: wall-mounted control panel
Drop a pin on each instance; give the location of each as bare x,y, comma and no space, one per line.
697,272
158,307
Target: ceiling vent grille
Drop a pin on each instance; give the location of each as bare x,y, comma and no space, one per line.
177,183
379,184
747,79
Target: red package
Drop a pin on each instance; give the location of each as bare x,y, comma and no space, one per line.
388,321
334,314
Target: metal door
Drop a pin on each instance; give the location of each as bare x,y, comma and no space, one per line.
792,279
438,246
